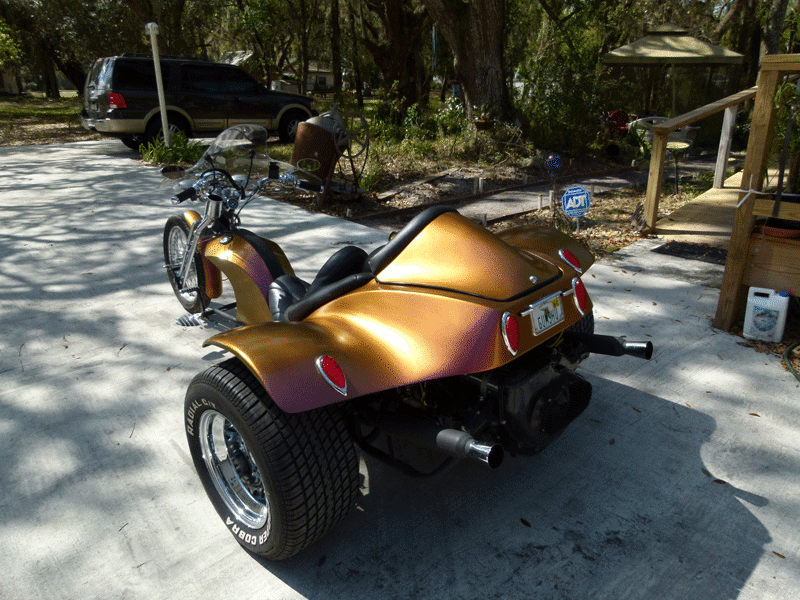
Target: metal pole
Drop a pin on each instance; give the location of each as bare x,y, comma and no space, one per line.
152,29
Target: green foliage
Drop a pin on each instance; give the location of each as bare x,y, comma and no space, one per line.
380,129
560,99
182,151
372,175
418,126
9,49
390,110
451,118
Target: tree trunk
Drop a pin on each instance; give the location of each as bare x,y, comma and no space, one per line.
396,47
48,71
336,51
474,32
772,32
357,81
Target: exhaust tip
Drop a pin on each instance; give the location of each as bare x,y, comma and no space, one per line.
639,349
491,454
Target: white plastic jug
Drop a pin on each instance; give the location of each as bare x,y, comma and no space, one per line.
765,316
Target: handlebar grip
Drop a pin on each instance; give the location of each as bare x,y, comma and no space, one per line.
312,187
186,194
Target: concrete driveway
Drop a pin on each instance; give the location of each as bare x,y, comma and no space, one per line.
679,481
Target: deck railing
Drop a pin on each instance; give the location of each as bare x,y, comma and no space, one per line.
732,297
661,133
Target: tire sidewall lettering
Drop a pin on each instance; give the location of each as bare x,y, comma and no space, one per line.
255,539
193,411
245,536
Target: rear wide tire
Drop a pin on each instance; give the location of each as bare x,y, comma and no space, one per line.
279,481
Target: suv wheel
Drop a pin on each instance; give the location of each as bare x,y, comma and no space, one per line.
132,142
154,129
287,130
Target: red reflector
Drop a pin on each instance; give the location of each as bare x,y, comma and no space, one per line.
332,373
510,329
572,260
581,296
116,100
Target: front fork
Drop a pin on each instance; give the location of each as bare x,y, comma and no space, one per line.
213,212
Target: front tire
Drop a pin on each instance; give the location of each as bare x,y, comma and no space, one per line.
176,234
279,481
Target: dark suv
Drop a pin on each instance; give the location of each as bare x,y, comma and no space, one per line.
202,99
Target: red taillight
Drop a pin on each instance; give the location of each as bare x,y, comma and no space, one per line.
581,296
116,100
332,373
510,328
572,260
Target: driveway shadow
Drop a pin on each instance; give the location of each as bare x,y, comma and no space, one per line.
621,506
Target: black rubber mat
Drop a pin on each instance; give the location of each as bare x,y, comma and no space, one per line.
704,252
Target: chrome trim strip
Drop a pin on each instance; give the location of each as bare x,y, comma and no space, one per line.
538,302
503,321
561,254
575,298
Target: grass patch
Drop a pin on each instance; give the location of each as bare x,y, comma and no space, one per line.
40,109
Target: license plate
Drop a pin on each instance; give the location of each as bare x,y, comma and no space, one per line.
546,313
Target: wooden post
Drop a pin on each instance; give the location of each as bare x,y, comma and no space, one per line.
731,294
654,179
725,139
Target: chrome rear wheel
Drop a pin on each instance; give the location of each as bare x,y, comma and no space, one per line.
233,470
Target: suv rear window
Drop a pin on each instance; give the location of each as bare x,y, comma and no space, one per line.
138,75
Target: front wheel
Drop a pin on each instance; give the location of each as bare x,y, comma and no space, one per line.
176,238
279,481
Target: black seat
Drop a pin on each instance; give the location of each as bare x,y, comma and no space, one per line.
292,299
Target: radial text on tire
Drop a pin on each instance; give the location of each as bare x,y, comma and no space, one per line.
176,234
279,481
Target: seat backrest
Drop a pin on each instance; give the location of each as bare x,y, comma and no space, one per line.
345,261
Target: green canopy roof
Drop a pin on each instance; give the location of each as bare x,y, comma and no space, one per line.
669,44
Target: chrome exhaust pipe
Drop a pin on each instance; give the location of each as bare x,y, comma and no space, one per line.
461,444
428,434
638,349
610,345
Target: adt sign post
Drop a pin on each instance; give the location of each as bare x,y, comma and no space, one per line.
576,202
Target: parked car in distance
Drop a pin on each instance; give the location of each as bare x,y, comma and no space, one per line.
202,98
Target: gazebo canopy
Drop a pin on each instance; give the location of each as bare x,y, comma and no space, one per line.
669,44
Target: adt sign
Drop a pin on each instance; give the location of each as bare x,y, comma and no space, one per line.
576,201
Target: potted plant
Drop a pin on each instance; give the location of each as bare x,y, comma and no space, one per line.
483,117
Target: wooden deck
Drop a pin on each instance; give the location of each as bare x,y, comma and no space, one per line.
709,218
768,262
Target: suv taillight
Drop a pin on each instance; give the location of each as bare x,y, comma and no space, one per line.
115,100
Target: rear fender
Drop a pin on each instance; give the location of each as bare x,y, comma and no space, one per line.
376,352
283,357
